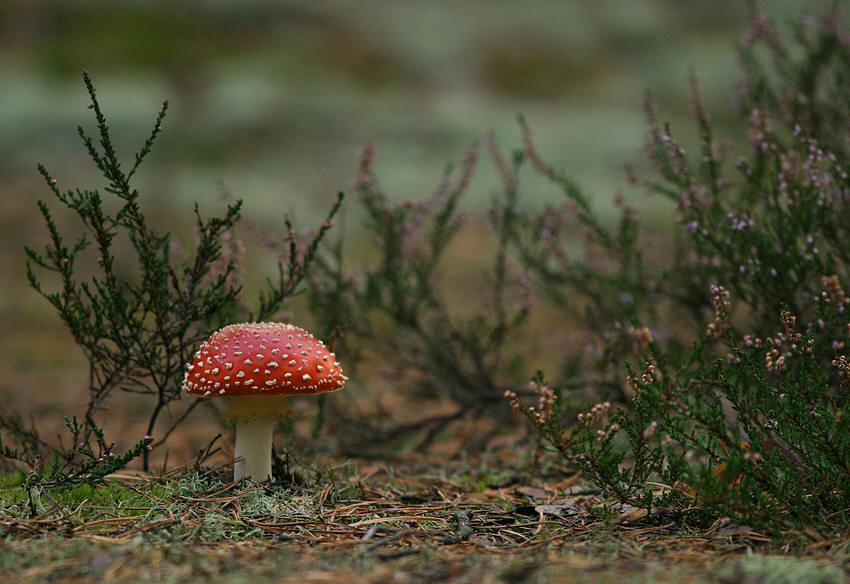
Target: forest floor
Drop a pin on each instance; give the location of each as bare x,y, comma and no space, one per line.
417,520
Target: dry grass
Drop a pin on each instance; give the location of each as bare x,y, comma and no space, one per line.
368,522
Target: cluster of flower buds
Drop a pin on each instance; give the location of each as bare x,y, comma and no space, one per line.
789,322
595,413
531,150
507,179
545,403
834,291
784,345
545,400
720,304
649,375
843,367
643,336
364,178
774,361
602,435
513,401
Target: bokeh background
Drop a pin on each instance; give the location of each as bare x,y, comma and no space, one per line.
273,99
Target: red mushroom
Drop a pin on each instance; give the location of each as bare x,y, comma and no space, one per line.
257,365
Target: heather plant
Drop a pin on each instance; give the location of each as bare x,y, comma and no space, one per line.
138,328
88,459
397,305
751,423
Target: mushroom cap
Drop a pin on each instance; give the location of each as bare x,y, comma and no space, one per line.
262,358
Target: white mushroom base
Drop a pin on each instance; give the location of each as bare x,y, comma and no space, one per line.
255,417
252,454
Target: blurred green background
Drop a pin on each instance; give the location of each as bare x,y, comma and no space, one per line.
274,99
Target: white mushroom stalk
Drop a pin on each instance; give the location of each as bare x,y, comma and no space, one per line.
255,416
256,365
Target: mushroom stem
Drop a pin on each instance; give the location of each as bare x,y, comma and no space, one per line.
255,416
253,451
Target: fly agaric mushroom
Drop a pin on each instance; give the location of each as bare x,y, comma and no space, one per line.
257,365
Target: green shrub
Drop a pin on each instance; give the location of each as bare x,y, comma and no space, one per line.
141,315
752,422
